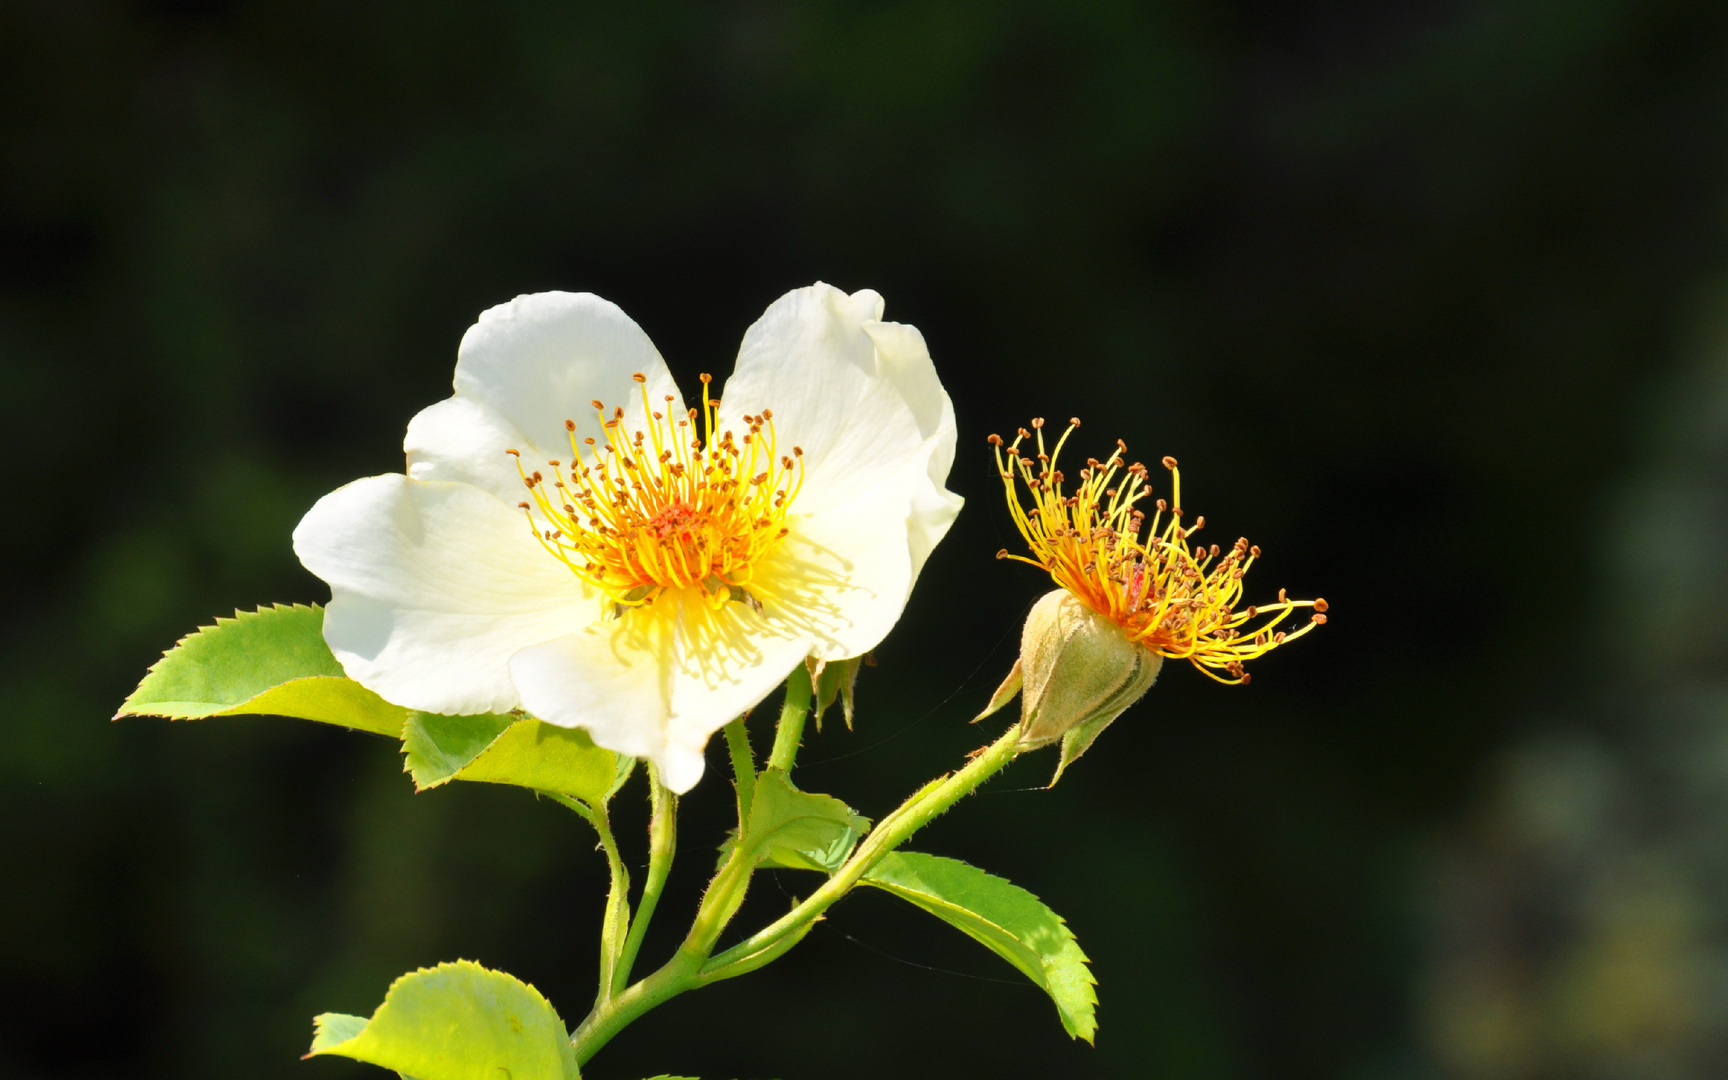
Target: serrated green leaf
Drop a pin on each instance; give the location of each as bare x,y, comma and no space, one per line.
799,830
621,773
455,1021
328,1029
272,661
1006,919
546,757
495,748
438,747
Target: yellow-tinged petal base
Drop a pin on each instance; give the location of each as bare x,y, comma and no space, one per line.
665,509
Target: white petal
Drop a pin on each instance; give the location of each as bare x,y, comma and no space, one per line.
524,369
859,396
904,355
931,511
462,441
434,587
611,678
727,663
843,576
659,681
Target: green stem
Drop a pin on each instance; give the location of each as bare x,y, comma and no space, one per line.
683,972
603,1023
691,968
662,843
895,829
743,768
616,925
721,901
577,805
725,894
790,730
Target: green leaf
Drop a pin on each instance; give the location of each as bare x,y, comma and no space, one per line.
798,830
1006,919
439,747
500,749
550,758
271,661
455,1022
329,1029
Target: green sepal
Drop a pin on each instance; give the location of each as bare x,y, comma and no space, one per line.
835,680
797,830
508,749
272,661
1004,693
1006,919
455,1021
1079,738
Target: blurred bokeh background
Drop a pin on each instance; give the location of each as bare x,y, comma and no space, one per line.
1430,298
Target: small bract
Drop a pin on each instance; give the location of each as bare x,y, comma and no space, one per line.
571,539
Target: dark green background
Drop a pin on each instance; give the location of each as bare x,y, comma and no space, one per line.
1421,294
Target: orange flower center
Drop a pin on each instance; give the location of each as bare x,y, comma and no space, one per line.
636,514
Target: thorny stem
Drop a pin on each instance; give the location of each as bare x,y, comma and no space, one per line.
616,924
691,967
895,829
662,844
743,766
790,730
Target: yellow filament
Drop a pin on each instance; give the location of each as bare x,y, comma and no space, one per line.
666,508
1172,598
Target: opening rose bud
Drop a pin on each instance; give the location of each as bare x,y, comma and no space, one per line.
1077,672
1134,591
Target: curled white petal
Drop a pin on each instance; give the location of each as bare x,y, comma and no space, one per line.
861,398
858,395
434,586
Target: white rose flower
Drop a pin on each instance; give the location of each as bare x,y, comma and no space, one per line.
571,540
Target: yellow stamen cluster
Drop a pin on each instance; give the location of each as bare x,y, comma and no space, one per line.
1176,599
667,508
